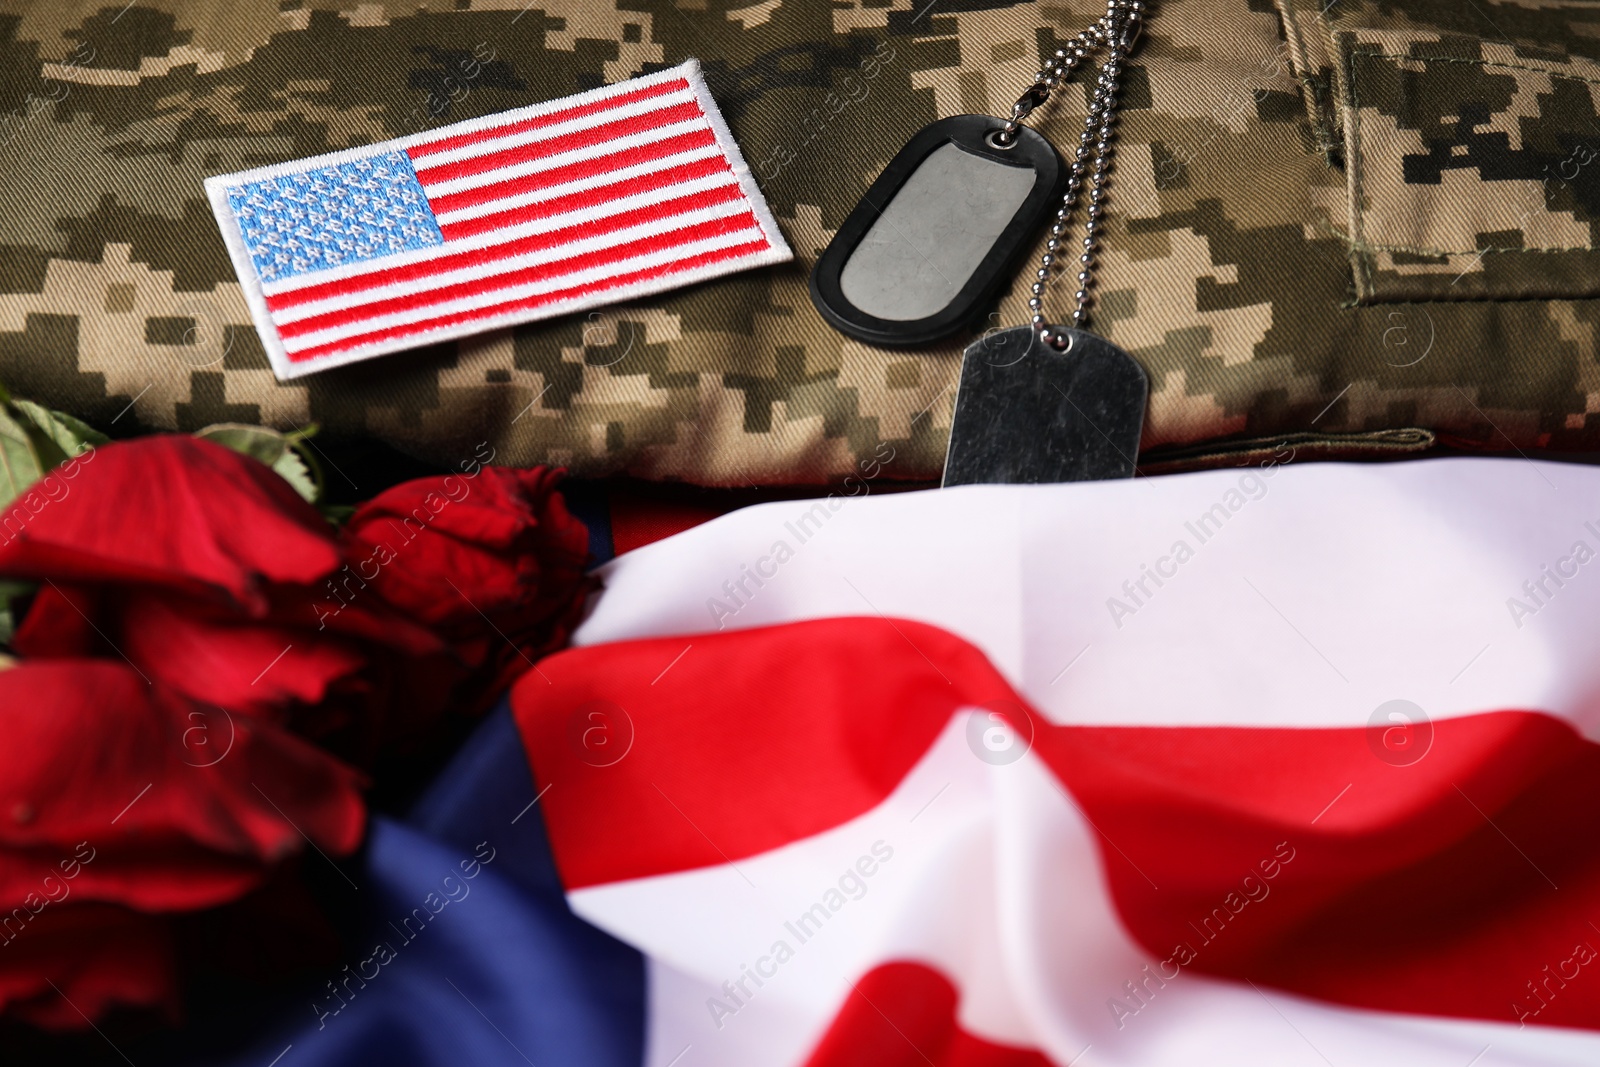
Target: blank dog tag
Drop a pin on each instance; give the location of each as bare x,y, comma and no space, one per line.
1026,412
937,233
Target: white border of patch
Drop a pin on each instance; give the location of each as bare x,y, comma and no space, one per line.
285,369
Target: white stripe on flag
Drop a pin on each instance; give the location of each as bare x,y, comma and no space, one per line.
544,133
1396,573
561,159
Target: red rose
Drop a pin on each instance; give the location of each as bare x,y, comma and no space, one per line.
206,572
192,611
494,563
113,814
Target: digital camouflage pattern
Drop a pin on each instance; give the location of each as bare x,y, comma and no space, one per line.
1361,222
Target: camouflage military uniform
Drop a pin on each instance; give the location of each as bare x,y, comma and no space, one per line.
1341,219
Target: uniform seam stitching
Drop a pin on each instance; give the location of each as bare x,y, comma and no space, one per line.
1362,267
1337,87
1364,246
1320,107
1478,298
1474,62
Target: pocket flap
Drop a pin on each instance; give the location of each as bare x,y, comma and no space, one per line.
1474,168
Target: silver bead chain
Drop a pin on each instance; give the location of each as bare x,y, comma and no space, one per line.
1116,31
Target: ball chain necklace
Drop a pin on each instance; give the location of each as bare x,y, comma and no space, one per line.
935,237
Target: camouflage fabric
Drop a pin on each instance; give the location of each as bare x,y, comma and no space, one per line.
1361,222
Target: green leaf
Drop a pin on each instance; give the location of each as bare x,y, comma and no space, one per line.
294,470
10,594
33,440
257,442
272,448
20,466
300,441
69,434
337,514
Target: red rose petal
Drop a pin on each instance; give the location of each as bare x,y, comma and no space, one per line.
251,668
174,511
96,756
73,962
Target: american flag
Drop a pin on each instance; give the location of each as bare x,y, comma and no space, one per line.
888,781
527,214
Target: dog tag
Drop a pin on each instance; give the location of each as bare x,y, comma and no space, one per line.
937,233
1027,412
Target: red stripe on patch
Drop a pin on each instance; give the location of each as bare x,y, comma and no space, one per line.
702,259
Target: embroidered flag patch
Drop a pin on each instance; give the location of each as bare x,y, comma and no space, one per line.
528,214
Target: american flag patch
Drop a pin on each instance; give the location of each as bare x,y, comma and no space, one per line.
528,214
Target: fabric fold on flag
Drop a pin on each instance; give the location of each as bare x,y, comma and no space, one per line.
923,766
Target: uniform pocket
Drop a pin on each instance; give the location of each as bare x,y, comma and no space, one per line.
1474,168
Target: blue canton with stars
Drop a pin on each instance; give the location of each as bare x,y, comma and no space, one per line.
333,216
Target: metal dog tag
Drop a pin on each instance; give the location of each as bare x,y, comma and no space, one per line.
1027,412
937,233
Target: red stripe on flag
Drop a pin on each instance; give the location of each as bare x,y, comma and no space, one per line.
572,172
1296,858
558,205
903,1014
817,736
477,257
507,157
1428,888
564,115
703,259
